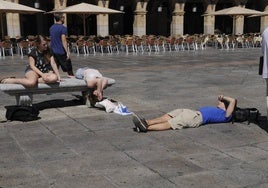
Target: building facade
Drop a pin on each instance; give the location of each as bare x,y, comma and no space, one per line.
141,17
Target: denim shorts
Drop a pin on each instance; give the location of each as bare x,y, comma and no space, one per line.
28,68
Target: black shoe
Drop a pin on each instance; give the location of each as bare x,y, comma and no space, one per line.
140,123
136,129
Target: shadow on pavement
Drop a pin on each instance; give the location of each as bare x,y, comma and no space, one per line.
59,103
26,113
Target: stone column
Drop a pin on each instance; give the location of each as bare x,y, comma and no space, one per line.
209,21
60,4
177,19
238,23
264,21
103,20
139,25
13,23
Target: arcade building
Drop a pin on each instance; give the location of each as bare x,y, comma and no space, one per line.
141,17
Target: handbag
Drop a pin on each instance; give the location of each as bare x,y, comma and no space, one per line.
260,65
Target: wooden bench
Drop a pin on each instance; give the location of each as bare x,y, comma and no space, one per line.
24,96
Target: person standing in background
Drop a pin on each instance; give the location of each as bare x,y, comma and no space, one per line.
59,46
265,62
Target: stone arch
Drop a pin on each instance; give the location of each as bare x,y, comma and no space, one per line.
75,22
263,4
26,21
193,19
159,17
252,24
122,24
224,24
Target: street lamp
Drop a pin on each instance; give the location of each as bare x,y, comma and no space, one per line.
36,4
159,9
194,9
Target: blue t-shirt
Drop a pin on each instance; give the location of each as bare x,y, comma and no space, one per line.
56,30
212,114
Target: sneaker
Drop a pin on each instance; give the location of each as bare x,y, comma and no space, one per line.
136,129
140,123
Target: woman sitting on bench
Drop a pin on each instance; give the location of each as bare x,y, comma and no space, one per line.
41,69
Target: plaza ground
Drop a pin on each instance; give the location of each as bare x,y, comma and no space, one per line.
75,146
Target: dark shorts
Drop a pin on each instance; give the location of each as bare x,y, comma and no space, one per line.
61,60
28,68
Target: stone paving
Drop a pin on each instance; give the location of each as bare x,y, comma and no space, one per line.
75,146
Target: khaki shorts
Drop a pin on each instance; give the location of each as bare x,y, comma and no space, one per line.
184,118
90,74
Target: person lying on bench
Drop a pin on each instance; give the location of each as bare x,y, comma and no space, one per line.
93,79
184,118
41,68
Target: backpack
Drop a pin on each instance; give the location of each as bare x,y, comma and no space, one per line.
246,114
21,113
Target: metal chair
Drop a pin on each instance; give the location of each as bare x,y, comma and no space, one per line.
90,46
80,47
7,47
104,45
24,47
113,46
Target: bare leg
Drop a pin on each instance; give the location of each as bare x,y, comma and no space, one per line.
104,83
159,124
30,80
159,127
48,78
158,120
93,84
99,88
267,97
156,124
100,84
70,74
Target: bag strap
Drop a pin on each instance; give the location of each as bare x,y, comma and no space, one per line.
253,109
233,113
